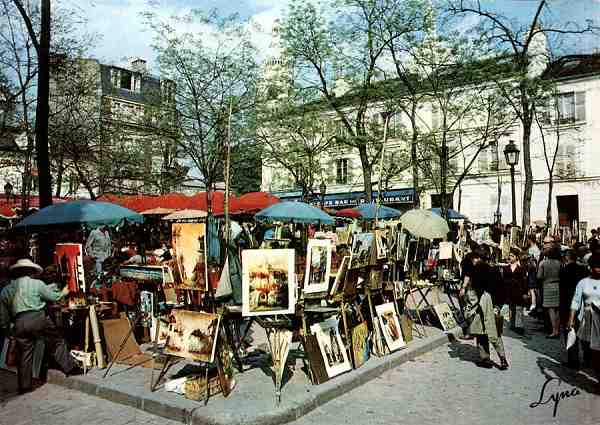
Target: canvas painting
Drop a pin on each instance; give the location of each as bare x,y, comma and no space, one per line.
360,344
401,242
268,282
390,325
68,258
331,346
362,250
193,335
318,266
445,316
340,275
189,244
381,242
147,308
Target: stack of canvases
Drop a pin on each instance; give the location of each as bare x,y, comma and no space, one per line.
342,338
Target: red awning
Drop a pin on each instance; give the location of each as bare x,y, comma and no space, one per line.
348,212
253,202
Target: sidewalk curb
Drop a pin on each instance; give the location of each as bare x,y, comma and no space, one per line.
320,394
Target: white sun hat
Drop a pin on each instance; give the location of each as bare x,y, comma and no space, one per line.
25,263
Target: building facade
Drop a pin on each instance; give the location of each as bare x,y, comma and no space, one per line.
567,135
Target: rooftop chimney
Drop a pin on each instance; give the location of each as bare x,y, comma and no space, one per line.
138,65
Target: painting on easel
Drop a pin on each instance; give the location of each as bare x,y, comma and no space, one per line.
193,335
268,282
189,244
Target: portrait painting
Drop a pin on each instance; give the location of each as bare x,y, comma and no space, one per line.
193,335
331,347
445,316
360,344
340,276
390,326
362,250
189,245
381,242
268,282
68,258
318,266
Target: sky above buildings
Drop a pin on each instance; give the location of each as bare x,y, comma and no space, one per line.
123,34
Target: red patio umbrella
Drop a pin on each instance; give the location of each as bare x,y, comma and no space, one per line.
253,202
349,213
200,202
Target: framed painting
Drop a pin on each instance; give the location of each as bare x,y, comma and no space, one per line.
360,344
193,335
340,275
189,245
331,346
318,266
68,258
362,250
381,242
268,282
445,316
390,325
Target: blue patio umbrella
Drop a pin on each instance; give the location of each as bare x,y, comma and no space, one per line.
452,214
89,212
294,212
368,211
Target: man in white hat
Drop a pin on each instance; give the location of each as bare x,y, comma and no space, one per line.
23,301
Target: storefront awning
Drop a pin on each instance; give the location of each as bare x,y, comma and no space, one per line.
352,199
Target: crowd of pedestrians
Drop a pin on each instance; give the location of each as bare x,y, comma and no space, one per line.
556,284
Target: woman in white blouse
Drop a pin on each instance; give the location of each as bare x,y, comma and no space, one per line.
586,306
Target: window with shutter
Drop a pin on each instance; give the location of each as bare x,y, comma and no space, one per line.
580,106
341,166
571,107
435,117
566,162
494,160
483,162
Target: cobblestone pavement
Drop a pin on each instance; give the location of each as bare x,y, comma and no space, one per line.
445,387
52,404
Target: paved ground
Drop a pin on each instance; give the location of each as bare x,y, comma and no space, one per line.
441,387
445,387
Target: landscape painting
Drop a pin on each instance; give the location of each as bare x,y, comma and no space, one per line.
268,282
318,266
193,335
331,346
189,244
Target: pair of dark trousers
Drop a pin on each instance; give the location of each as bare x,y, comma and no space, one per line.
483,342
30,326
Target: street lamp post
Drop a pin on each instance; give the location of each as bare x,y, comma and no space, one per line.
323,188
511,153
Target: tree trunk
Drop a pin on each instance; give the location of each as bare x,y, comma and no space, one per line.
41,117
413,156
367,171
528,189
549,204
59,177
444,175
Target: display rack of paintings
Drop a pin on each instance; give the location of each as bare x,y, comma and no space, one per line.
381,243
189,244
268,282
390,326
331,347
318,266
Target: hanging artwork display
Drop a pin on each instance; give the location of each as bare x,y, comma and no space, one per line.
318,266
340,275
375,278
189,244
381,242
446,250
362,250
193,335
68,258
390,325
445,316
343,235
146,308
401,242
268,282
331,346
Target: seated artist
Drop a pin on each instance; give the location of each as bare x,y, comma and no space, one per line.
23,301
